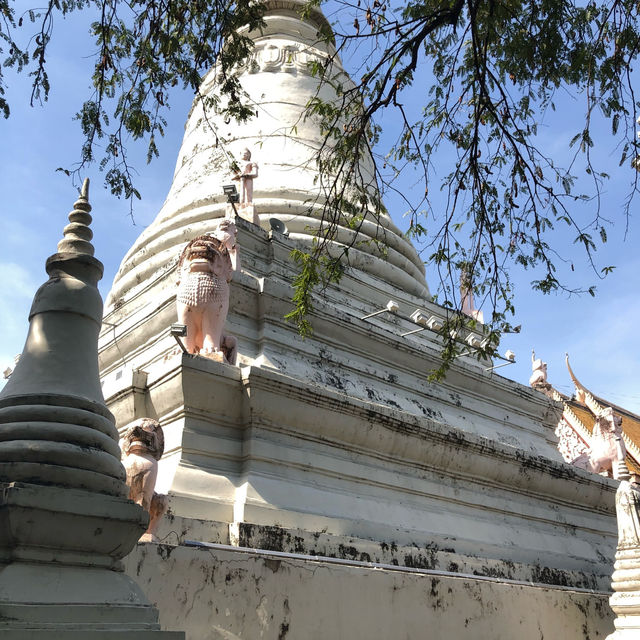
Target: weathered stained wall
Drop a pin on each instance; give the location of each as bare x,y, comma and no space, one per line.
224,594
252,446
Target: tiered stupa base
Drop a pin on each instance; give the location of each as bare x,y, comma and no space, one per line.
338,446
58,574
625,602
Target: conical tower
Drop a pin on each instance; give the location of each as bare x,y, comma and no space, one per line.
284,143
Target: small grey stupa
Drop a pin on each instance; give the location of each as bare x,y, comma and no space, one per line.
65,519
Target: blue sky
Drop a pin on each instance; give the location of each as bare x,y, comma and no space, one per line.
601,334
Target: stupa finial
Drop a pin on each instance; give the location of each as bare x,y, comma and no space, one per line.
77,234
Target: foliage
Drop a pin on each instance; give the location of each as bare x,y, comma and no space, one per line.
144,49
496,68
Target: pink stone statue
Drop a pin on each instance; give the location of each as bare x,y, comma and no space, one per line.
142,447
246,176
205,270
604,452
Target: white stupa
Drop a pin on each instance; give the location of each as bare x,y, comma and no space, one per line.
339,444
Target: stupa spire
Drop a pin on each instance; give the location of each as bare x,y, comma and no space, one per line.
77,234
285,143
61,355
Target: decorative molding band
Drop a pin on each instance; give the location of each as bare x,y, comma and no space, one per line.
290,58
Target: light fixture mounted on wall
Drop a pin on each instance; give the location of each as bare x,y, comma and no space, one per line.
179,331
420,318
392,307
232,195
509,358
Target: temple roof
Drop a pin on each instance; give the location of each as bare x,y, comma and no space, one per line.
580,412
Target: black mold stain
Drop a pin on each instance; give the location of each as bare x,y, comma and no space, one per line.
270,538
456,399
335,381
427,561
427,411
164,550
274,565
234,574
350,553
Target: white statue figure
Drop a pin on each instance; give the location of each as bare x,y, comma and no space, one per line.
604,452
246,176
539,376
142,447
628,512
625,600
205,270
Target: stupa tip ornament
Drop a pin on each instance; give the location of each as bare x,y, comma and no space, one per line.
77,234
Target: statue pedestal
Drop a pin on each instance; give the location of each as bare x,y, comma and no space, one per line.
216,356
245,211
60,569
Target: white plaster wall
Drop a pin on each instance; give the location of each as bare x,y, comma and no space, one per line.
224,594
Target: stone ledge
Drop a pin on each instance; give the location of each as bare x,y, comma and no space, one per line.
224,593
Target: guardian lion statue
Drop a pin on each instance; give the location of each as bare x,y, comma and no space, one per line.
142,447
205,269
